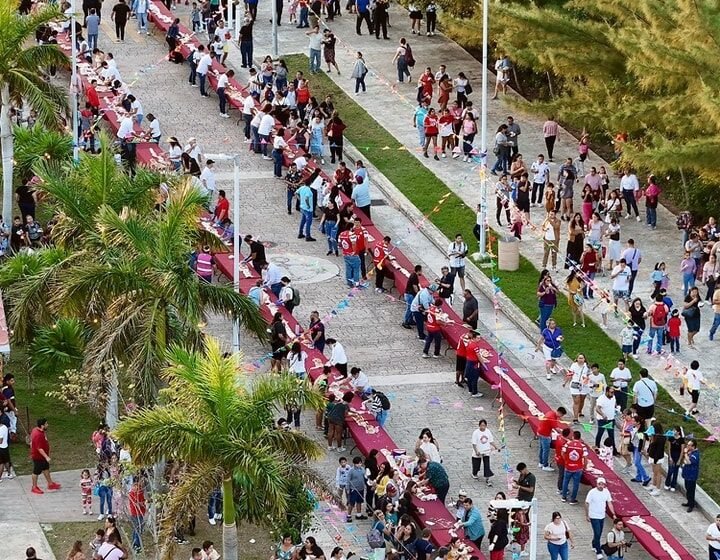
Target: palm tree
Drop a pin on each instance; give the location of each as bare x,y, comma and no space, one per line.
22,80
122,270
35,142
221,427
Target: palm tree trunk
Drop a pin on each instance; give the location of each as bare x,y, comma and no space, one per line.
229,535
6,144
111,411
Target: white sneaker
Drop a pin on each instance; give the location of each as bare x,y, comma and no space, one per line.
540,465
667,487
548,469
478,395
426,355
637,218
100,517
267,158
627,216
548,377
224,115
211,521
341,449
655,492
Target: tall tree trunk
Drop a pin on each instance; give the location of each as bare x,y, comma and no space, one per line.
111,411
229,535
6,144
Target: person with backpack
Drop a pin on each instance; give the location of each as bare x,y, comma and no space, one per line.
376,536
289,295
658,315
402,58
378,404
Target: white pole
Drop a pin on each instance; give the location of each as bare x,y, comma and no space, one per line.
74,86
533,529
483,135
230,20
236,250
274,29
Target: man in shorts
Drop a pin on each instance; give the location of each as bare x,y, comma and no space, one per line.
5,463
457,251
621,275
356,489
40,455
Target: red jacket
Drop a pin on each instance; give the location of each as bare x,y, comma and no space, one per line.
136,502
574,453
431,319
348,243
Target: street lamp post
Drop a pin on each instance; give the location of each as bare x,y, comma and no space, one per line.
273,7
74,84
235,159
483,135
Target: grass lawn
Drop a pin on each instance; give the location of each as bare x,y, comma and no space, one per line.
62,536
424,189
69,434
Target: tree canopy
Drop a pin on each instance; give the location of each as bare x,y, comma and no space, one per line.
648,68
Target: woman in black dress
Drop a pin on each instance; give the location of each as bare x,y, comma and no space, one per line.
576,240
691,313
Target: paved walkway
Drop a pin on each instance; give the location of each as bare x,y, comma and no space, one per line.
421,391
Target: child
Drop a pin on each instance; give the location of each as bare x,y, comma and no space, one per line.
606,453
550,197
673,331
626,339
356,489
341,481
695,378
293,10
657,278
195,18
516,222
98,540
607,307
597,383
86,487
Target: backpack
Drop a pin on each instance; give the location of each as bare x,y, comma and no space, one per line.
659,314
409,59
384,401
684,220
296,296
375,538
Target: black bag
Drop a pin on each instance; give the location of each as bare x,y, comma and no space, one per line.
384,401
409,59
468,89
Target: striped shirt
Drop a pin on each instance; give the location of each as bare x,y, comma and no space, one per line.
550,128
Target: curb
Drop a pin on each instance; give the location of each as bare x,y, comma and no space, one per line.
704,503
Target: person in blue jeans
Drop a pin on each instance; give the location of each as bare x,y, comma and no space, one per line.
420,303
557,534
597,501
279,146
305,196
215,506
658,315
411,289
331,222
640,473
575,458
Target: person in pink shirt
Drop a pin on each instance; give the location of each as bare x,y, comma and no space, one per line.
652,194
550,132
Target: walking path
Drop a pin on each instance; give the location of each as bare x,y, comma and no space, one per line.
423,394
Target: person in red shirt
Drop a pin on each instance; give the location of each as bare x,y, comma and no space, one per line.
40,455
434,328
547,424
431,124
362,236
445,129
343,178
348,242
425,85
381,260
137,509
460,359
589,266
673,326
559,461
222,209
472,363
92,96
574,454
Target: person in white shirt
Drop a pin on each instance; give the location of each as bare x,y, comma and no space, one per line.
620,378
296,360
457,251
597,385
202,69
712,536
621,283
5,462
279,147
109,74
483,443
136,109
557,534
597,502
272,278
541,177
155,132
193,149
267,123
287,293
110,550
338,358
301,162
695,379
645,392
579,378
126,128
207,178
359,381
248,111
629,185
223,82
605,412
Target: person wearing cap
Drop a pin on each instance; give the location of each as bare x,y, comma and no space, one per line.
193,150
420,304
207,178
598,503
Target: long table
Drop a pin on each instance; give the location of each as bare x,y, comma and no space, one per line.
515,391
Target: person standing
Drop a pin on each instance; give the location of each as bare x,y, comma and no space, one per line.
137,509
483,443
140,8
550,132
457,251
203,67
690,472
470,309
400,58
380,18
525,483
597,502
645,392
630,186
349,245
119,15
716,317
620,377
315,47
712,536
512,133
550,229
652,194
222,84
434,329
547,424
412,288
605,413
40,455
359,72
615,541
575,458
92,22
472,523
305,196
541,177
633,258
557,534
